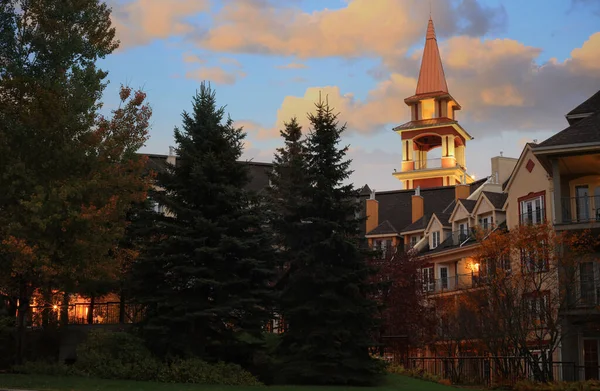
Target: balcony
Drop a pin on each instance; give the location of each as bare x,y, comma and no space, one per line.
531,217
427,164
583,209
454,283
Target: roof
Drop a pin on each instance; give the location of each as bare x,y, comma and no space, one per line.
584,131
497,199
591,105
468,204
259,172
383,229
425,123
444,218
396,206
418,225
431,76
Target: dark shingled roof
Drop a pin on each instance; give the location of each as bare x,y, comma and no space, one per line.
383,229
395,206
585,131
259,172
418,225
591,105
497,199
468,204
444,218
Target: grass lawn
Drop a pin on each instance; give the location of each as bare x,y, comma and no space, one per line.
28,382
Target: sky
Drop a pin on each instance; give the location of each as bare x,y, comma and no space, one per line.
515,66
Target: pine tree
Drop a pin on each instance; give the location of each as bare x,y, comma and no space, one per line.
206,272
287,193
329,317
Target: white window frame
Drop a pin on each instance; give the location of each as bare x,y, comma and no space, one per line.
435,239
428,276
534,208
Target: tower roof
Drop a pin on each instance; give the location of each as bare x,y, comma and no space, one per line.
431,76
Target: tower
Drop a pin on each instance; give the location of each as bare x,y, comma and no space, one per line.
433,124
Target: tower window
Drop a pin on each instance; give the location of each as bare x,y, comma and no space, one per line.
439,105
416,111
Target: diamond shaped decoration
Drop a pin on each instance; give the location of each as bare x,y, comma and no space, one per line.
530,165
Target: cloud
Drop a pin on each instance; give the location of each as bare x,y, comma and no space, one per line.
217,75
498,83
379,28
141,21
192,58
230,61
293,65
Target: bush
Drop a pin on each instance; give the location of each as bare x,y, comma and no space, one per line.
119,355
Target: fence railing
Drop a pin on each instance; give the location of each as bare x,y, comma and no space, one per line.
454,283
537,216
435,163
497,370
580,209
79,313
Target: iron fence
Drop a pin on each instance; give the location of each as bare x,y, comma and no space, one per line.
582,209
496,370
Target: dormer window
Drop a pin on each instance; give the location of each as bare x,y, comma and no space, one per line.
435,239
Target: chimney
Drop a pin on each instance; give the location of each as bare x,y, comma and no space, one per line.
372,212
171,158
462,191
418,205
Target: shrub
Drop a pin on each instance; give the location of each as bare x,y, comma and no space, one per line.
119,355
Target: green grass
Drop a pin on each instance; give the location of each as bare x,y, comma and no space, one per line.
51,383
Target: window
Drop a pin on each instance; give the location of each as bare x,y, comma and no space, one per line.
435,239
463,229
428,280
413,240
532,210
587,286
444,277
486,222
505,264
383,246
537,305
535,260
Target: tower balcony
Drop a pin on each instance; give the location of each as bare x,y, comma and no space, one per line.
444,162
444,171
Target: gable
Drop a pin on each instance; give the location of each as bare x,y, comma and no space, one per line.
483,205
460,213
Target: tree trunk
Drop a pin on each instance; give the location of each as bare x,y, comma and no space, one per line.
64,310
122,308
47,310
21,322
90,315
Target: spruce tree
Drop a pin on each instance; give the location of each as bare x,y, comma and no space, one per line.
206,272
287,193
329,317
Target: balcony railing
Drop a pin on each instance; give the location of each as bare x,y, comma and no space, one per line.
435,163
461,236
537,216
455,283
580,209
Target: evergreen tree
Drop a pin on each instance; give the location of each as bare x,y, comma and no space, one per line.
206,273
329,317
287,193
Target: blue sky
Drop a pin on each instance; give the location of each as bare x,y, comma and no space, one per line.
515,66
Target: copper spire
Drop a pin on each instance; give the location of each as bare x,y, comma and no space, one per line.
431,76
